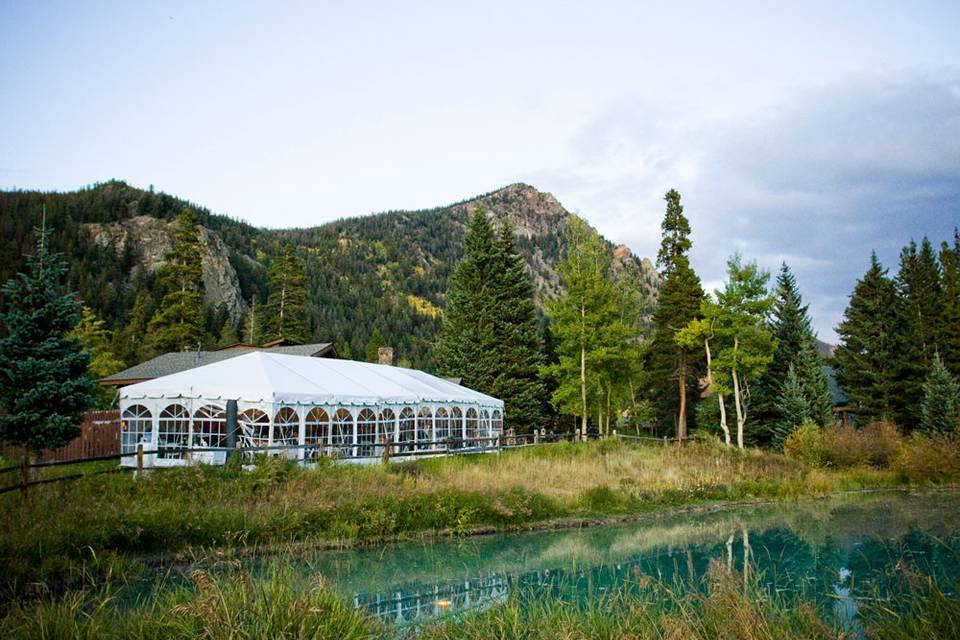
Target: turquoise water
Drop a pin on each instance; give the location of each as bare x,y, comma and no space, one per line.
837,552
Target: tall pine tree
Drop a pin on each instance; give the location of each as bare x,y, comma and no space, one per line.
467,346
673,368
919,285
867,360
45,384
796,349
521,354
178,324
489,335
949,343
285,315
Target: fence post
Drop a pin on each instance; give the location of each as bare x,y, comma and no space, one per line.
231,428
139,459
386,448
24,477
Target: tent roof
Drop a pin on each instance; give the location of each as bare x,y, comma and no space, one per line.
272,377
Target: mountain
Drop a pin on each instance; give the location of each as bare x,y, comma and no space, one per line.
387,271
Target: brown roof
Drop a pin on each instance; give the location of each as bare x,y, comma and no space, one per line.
177,361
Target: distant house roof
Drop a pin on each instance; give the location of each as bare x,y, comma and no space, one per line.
177,361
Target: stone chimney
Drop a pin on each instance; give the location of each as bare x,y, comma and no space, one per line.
385,355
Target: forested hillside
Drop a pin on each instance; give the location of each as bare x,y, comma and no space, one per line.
385,273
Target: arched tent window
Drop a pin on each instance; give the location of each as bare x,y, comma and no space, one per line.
366,433
496,424
342,430
254,427
484,427
471,428
408,425
424,428
316,432
286,428
209,427
456,427
174,430
443,426
136,425
388,420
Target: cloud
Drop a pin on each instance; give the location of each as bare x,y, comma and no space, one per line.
818,180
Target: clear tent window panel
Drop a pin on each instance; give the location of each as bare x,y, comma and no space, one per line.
136,426
286,427
388,421
424,428
209,427
254,427
366,433
472,427
443,425
408,426
173,431
342,433
456,427
484,426
496,422
316,432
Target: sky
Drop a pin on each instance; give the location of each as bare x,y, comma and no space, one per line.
809,132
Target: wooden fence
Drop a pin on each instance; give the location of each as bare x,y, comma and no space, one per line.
99,436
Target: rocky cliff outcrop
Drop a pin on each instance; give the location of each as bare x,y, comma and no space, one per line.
152,239
539,218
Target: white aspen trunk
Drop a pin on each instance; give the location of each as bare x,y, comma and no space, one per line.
723,419
682,418
583,374
738,395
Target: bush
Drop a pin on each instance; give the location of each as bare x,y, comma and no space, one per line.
876,445
929,458
805,443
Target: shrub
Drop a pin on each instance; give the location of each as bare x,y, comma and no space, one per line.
929,458
805,443
876,445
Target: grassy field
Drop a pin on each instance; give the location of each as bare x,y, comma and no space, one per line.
106,523
723,605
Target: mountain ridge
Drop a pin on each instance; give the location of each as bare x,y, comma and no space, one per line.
386,271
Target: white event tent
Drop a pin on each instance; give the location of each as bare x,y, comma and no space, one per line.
323,406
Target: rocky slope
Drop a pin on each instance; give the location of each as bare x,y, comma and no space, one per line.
151,239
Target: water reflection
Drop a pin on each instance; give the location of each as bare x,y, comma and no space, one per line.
836,552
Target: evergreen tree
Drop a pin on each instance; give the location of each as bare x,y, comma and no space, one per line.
673,368
372,351
489,337
515,328
467,347
45,385
585,322
797,350
178,324
129,341
919,287
867,360
792,408
286,313
950,306
940,407
96,339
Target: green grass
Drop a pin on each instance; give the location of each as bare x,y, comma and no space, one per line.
105,523
233,605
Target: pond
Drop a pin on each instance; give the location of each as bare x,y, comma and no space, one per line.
835,552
